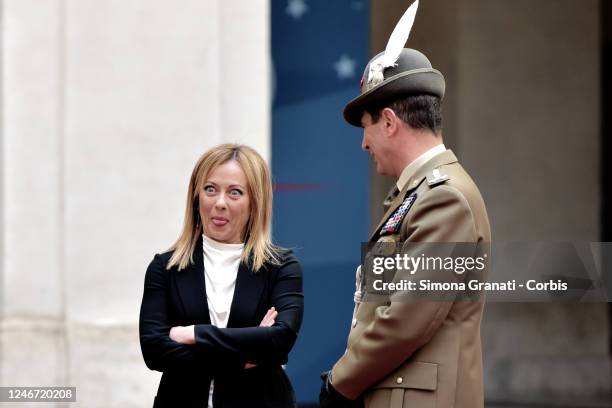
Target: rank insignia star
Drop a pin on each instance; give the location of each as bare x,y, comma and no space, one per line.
394,222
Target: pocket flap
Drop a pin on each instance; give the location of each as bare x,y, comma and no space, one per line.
417,375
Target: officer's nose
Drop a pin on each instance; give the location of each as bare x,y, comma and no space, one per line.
364,143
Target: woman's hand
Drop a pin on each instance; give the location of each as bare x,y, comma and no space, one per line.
183,334
186,334
267,321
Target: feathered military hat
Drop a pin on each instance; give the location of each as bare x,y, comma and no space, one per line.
396,72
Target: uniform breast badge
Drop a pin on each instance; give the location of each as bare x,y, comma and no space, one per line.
394,222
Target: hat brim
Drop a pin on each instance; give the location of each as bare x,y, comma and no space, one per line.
423,81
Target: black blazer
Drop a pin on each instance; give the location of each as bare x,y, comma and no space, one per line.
178,298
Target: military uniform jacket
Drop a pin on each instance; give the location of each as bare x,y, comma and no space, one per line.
421,354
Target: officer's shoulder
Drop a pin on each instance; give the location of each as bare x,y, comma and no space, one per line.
446,181
451,175
449,183
436,177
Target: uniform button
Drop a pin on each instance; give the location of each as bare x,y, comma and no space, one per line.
354,322
399,380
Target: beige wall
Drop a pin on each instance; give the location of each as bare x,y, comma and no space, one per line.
529,133
106,106
522,113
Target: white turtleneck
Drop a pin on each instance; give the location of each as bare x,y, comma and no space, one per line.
221,262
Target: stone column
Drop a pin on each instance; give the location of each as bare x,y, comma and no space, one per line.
106,108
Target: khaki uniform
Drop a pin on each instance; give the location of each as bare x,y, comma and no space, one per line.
422,354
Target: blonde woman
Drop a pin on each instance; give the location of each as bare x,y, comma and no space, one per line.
222,308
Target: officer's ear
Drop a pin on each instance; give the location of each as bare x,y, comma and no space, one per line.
390,121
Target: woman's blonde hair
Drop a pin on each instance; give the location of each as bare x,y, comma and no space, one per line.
258,247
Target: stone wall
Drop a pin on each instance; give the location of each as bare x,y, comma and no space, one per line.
106,105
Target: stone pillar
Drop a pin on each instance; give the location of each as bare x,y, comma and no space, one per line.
106,108
33,278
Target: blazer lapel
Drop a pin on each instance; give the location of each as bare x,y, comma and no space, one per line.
191,288
247,294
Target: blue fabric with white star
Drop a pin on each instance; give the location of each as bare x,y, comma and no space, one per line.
319,49
394,222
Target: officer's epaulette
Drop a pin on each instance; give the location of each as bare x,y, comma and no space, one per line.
436,177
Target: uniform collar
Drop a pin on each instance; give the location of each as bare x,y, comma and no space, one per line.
414,166
442,159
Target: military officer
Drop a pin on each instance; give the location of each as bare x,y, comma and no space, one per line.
403,353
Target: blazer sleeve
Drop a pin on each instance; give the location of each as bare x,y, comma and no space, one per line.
400,328
159,351
263,345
